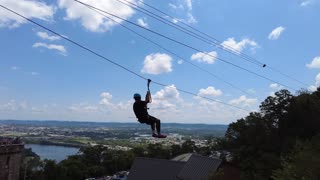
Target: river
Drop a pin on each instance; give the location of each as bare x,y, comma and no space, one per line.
57,153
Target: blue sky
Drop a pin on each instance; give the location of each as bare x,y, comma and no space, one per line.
44,77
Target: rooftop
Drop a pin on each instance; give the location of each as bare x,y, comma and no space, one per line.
191,166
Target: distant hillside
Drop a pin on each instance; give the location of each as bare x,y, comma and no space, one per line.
201,128
107,124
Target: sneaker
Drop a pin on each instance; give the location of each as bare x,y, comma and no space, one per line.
162,136
154,135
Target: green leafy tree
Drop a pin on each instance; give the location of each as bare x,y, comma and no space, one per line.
275,108
139,151
254,145
175,150
188,147
260,140
158,151
302,163
116,160
73,168
93,155
50,170
30,165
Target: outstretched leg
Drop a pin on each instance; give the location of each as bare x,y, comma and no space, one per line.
152,124
155,123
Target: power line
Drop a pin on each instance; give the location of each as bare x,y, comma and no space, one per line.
171,52
283,74
215,41
214,100
183,44
115,63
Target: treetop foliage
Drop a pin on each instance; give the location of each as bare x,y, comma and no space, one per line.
262,140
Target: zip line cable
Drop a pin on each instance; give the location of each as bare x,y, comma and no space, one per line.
216,41
186,45
214,100
115,63
187,31
286,75
205,34
173,53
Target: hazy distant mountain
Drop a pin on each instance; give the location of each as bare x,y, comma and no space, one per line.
110,124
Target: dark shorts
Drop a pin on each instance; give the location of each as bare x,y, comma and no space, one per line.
149,120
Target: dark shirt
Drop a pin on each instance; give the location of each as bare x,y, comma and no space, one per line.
140,110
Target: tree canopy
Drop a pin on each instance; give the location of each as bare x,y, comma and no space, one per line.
261,140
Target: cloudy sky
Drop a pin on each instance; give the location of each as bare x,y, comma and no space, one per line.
44,77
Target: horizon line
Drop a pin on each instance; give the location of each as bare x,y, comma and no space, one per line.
86,121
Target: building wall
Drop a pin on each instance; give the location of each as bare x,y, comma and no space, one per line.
10,160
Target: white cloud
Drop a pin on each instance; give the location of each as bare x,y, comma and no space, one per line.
176,6
318,80
45,36
188,4
315,63
317,83
305,3
210,91
56,47
237,47
142,22
175,20
12,106
42,108
205,57
180,61
30,9
244,101
157,63
312,88
276,86
132,41
183,5
35,73
205,109
38,109
15,68
106,99
191,19
167,105
9,106
252,91
169,92
166,99
275,34
83,108
125,106
92,20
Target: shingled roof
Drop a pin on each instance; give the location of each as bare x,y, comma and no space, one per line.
199,167
196,167
155,169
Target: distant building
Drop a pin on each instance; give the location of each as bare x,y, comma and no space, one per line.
10,158
187,166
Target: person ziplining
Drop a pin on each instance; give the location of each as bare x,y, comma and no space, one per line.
141,111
